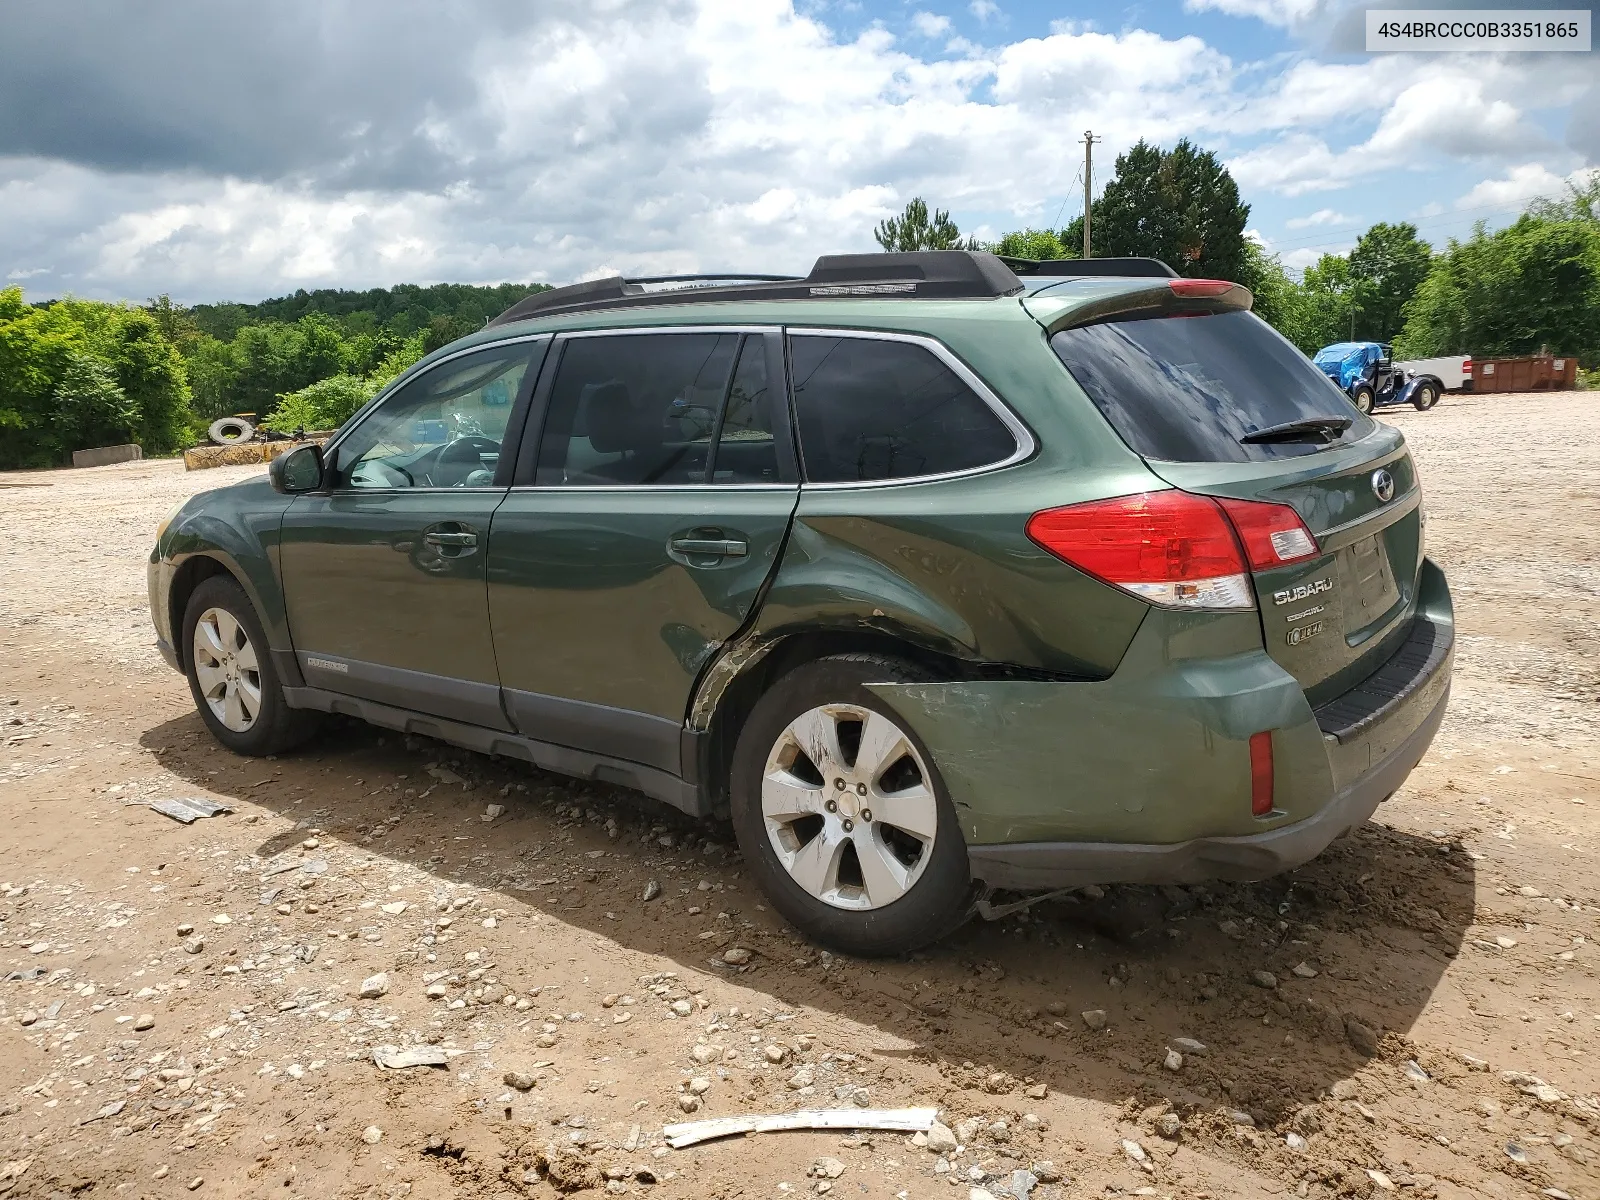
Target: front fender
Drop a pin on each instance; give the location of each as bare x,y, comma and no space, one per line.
239,528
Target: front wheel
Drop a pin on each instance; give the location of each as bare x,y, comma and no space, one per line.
1425,398
842,815
1362,399
235,686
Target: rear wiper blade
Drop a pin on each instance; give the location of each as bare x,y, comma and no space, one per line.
1328,427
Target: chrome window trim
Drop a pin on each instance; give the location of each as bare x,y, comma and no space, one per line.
655,329
587,489
1026,443
376,404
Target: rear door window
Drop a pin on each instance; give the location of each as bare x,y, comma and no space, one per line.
873,409
1186,389
647,409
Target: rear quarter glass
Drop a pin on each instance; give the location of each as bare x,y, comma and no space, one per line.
1186,389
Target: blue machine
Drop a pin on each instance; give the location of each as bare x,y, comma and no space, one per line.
1367,374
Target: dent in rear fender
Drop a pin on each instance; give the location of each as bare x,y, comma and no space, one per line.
1156,754
965,583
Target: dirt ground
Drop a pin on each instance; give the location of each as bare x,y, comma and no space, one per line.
1431,1027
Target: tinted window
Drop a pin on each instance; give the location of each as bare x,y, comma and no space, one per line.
871,409
747,451
636,408
441,429
1185,389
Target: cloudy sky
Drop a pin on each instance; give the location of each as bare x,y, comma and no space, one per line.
219,150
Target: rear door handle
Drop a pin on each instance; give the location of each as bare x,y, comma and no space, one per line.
721,547
450,539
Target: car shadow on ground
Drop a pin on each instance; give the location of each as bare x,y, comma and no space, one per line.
1291,984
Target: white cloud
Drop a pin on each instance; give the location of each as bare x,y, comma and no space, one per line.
1298,260
930,25
658,136
1452,113
1519,185
1285,13
984,10
1323,216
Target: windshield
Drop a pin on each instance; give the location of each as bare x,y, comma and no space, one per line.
1186,389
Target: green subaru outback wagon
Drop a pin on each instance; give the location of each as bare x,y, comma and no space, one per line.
937,574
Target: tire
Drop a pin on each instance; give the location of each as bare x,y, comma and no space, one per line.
230,665
230,431
918,869
1362,399
1425,398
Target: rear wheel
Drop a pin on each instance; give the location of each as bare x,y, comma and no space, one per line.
1425,398
1362,399
841,813
235,687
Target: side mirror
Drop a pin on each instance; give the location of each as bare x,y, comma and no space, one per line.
298,471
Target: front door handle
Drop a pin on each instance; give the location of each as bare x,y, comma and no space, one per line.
719,547
441,538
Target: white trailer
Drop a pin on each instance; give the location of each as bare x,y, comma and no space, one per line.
1454,371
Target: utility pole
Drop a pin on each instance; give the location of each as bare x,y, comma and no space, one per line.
1089,140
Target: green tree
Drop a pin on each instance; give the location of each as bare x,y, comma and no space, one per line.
1180,206
152,376
326,404
913,230
1581,203
443,330
88,407
1530,286
1041,245
1279,300
1389,262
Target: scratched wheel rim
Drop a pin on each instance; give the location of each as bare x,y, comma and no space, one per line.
227,670
849,807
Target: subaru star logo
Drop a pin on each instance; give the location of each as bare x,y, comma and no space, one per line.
1383,486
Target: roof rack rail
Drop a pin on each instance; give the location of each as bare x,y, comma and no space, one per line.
1097,268
922,274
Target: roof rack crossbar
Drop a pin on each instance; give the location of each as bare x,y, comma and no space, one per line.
923,274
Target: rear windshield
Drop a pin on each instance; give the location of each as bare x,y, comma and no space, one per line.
1185,389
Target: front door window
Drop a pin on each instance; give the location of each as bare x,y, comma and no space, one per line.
442,429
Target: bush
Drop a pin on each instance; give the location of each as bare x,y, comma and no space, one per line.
326,404
80,373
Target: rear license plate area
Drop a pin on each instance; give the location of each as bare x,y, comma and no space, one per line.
1369,587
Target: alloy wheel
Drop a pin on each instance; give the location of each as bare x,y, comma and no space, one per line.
226,667
849,806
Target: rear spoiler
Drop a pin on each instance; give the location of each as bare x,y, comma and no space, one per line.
1169,298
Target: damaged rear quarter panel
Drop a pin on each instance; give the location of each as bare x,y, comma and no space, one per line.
1156,754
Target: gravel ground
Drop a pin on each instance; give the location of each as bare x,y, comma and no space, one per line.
194,1009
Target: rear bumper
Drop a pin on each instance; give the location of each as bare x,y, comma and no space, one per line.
1145,777
1045,865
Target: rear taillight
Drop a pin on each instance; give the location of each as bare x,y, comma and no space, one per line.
1175,548
1169,548
1466,366
1261,773
1273,534
1200,287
